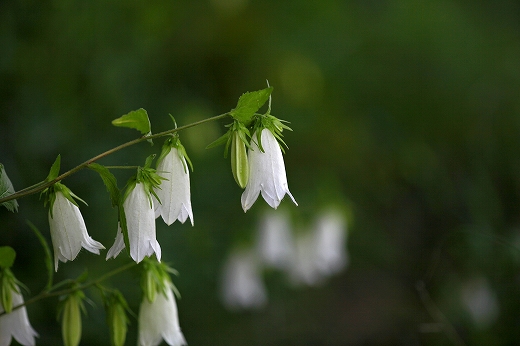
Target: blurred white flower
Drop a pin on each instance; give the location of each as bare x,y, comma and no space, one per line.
321,252
159,320
242,285
330,235
16,323
68,231
481,302
140,221
275,244
266,173
303,269
174,192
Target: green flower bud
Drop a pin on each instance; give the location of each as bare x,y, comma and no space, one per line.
116,318
7,282
239,164
71,318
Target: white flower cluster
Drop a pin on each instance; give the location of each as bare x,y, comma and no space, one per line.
307,257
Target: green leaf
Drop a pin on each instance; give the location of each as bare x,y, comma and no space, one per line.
47,250
109,180
137,119
7,256
55,169
6,189
249,103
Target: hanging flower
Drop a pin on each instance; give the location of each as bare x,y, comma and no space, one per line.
266,172
68,230
242,285
330,235
137,219
16,323
275,243
174,190
158,317
140,220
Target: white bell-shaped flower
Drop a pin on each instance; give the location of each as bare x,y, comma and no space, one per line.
242,285
330,235
304,269
119,244
174,191
140,222
275,243
159,320
68,231
16,323
266,173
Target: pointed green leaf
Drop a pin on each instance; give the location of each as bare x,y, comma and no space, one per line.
7,256
6,189
249,103
109,180
48,257
137,119
55,169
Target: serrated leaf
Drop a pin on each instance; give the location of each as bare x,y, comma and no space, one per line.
6,189
249,103
109,180
7,256
137,119
55,169
48,256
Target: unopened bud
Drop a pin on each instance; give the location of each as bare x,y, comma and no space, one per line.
117,319
71,319
239,164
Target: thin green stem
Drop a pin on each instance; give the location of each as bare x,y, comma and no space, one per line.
51,293
43,185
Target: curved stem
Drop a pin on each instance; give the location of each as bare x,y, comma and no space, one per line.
49,293
43,185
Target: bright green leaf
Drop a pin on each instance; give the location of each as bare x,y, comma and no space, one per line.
7,256
55,169
249,103
137,119
109,180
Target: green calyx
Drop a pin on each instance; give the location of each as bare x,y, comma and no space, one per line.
148,177
50,195
156,279
173,141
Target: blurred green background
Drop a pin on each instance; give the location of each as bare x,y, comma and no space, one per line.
406,112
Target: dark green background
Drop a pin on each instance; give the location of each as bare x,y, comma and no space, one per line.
407,111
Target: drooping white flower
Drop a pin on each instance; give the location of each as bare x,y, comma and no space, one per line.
140,221
303,269
321,251
174,191
159,320
16,323
68,230
242,285
330,235
266,173
275,244
481,302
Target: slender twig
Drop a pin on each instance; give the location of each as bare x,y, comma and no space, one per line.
51,293
437,315
43,185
